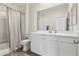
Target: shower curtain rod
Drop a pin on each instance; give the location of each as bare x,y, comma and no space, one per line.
11,8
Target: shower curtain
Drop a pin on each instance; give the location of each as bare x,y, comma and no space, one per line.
14,27
22,22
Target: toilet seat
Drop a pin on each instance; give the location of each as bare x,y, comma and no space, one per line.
26,41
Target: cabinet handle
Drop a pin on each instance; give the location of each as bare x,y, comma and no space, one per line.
75,42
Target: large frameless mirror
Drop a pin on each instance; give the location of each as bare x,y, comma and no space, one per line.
61,18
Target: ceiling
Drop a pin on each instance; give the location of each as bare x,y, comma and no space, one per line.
19,4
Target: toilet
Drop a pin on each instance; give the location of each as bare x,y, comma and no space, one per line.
26,44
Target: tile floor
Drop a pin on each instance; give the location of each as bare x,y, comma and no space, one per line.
19,52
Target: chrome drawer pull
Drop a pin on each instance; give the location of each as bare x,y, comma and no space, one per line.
75,42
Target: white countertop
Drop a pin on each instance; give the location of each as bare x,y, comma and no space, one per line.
66,34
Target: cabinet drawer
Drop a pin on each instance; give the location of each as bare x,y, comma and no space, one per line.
67,39
43,36
36,36
50,37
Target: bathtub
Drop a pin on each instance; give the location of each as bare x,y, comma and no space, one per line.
4,48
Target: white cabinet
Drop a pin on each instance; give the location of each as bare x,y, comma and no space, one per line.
66,49
67,46
78,50
49,45
36,45
44,45
52,48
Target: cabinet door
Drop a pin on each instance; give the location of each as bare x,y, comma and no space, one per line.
44,47
52,48
66,49
36,44
77,49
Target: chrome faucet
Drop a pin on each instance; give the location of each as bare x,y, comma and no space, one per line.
55,31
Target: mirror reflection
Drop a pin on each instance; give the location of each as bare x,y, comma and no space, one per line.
59,18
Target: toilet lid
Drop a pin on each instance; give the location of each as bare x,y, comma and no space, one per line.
26,40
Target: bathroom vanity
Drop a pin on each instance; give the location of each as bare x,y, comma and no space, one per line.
64,39
55,44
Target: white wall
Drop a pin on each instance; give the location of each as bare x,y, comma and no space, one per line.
16,6
43,6
31,18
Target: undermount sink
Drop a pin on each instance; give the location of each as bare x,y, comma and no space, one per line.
45,31
58,33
